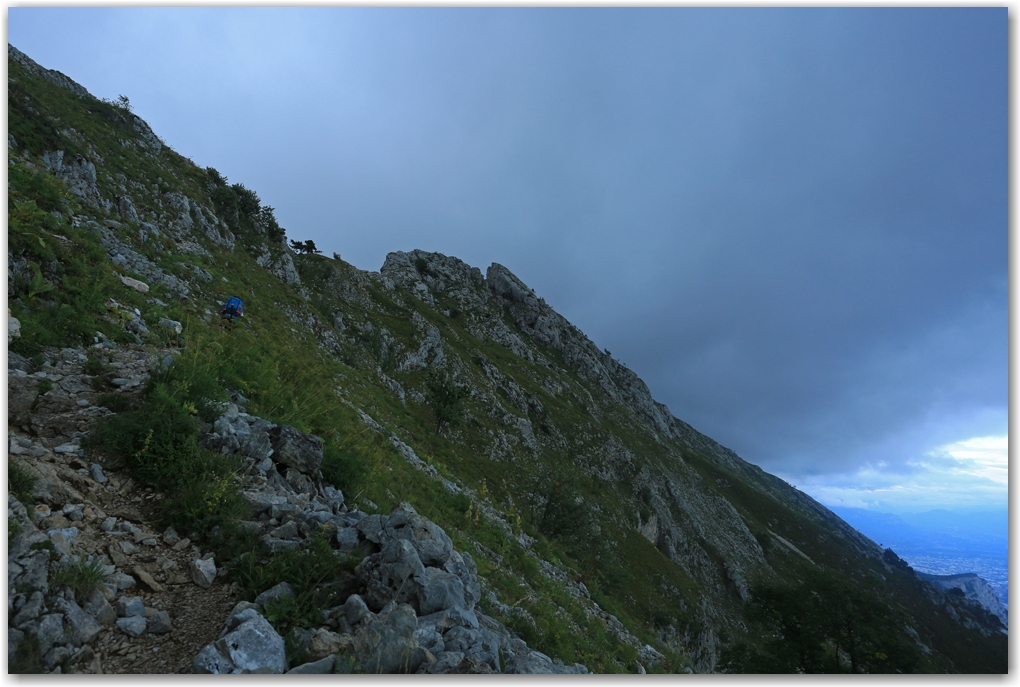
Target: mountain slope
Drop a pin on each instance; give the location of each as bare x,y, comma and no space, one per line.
608,531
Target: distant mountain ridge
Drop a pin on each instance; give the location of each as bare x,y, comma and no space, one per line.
983,532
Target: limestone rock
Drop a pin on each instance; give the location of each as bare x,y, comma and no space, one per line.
171,325
134,284
253,647
280,591
355,609
292,448
393,574
440,590
30,611
386,643
203,572
128,606
324,643
323,666
145,578
428,539
282,266
50,632
160,623
13,327
79,627
537,663
133,626
99,608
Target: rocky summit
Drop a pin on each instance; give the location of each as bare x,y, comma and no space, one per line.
424,469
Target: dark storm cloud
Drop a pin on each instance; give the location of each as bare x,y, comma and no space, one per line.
791,223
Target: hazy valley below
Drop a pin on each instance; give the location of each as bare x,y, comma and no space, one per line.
942,542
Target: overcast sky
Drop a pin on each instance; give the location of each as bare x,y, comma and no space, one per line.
791,223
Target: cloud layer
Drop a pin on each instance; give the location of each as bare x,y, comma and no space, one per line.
791,223
965,475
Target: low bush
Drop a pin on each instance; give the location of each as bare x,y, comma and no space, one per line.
446,398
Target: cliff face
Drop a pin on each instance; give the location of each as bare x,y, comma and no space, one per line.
606,531
975,589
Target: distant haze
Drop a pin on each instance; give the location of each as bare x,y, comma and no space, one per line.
791,223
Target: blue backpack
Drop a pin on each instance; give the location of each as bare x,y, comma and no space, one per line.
233,308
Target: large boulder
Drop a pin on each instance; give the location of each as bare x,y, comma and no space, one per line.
79,627
440,590
463,566
428,538
293,448
252,647
386,643
393,574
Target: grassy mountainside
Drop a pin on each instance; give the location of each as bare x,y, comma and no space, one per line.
602,523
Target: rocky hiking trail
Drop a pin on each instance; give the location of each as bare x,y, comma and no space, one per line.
164,606
86,511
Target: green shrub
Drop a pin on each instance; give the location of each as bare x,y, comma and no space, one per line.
204,504
446,397
248,201
158,443
44,545
45,190
75,278
118,403
557,508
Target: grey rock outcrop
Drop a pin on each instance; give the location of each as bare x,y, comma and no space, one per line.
386,643
280,265
80,175
293,448
252,647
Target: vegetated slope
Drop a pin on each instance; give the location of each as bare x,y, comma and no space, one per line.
608,532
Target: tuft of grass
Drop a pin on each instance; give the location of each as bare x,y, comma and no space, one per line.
83,577
20,482
346,469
